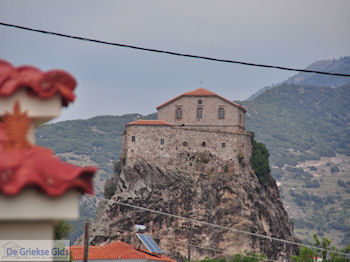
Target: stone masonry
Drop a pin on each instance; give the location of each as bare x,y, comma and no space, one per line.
233,117
166,141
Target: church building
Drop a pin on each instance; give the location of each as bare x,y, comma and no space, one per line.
193,123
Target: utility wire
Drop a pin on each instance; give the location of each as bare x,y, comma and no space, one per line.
217,226
158,237
171,52
178,242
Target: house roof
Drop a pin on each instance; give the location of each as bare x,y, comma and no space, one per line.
34,166
37,83
143,122
116,250
200,92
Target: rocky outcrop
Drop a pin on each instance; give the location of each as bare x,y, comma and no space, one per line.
232,197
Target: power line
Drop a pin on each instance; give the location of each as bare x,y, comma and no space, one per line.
171,52
217,226
158,237
182,243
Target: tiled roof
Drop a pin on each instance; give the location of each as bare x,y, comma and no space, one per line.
142,122
37,83
35,166
201,92
116,250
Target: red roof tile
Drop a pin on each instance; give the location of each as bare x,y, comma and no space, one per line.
37,83
36,166
142,122
202,92
116,250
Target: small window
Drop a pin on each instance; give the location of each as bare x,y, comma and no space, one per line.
221,113
200,101
199,113
162,141
223,145
203,144
185,143
133,139
178,113
240,118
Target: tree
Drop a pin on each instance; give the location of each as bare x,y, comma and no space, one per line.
260,160
246,257
307,254
61,230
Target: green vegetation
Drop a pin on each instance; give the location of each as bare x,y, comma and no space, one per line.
260,160
307,254
87,212
110,185
298,123
203,158
61,230
295,123
301,123
98,138
330,65
110,188
306,79
248,257
341,183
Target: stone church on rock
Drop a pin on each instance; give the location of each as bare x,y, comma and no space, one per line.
193,127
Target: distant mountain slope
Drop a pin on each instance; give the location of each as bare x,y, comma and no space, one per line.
98,139
341,65
297,123
300,123
95,141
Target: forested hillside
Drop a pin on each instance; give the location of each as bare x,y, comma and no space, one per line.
306,129
300,123
95,141
341,65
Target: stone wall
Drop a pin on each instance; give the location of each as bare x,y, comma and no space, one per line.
124,145
168,146
210,105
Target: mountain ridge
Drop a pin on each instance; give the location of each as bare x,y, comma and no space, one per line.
340,65
306,130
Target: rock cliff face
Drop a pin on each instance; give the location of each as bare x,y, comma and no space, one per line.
232,198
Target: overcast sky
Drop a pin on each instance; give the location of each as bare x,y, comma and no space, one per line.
115,81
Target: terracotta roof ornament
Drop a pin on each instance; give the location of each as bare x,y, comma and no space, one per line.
36,83
35,97
16,126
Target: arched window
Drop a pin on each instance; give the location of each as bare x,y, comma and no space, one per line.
221,113
199,112
178,113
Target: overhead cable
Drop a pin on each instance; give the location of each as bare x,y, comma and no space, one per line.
181,243
217,226
172,52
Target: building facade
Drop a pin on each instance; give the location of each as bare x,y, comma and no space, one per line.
196,123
